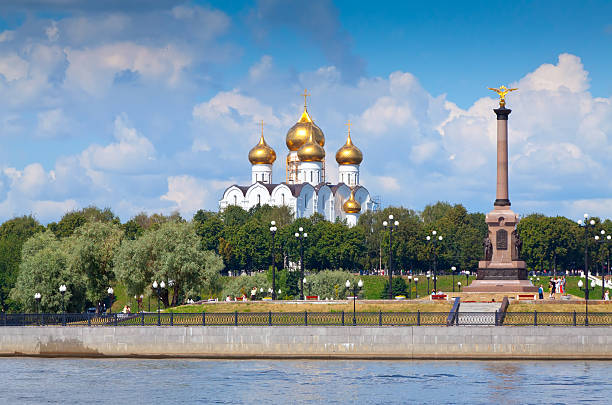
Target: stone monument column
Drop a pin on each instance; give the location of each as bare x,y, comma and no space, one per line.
502,270
501,196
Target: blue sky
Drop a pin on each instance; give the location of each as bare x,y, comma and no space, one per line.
153,106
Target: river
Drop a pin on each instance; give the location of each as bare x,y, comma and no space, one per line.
136,381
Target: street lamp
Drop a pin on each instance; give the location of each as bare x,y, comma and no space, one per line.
434,238
273,230
62,290
110,292
409,286
604,239
416,287
355,288
586,294
459,285
453,274
586,224
304,281
37,298
301,235
467,277
392,225
158,287
428,277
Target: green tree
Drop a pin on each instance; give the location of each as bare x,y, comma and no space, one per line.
73,220
93,247
13,234
44,267
173,254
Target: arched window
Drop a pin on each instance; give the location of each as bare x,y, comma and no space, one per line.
259,199
235,199
283,198
311,177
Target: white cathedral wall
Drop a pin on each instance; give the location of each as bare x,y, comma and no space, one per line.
257,194
262,173
310,172
348,174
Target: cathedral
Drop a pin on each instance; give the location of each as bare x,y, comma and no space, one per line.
305,189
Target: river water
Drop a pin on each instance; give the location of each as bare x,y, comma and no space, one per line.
131,381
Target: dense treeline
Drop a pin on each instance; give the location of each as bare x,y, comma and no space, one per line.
90,249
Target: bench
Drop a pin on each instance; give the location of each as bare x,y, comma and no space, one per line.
439,296
526,297
312,298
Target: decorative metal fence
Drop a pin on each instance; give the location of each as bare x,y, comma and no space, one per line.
313,319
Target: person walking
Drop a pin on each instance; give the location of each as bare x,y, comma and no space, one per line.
607,296
551,286
541,292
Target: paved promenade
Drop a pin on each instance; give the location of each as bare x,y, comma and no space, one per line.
425,342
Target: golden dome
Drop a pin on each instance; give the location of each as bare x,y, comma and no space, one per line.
349,154
298,134
352,206
262,154
311,151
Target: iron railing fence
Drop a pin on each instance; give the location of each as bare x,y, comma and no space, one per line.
312,319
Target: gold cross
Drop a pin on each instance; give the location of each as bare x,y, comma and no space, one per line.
348,124
262,124
305,95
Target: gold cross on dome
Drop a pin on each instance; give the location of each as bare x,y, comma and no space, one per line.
262,124
305,95
348,124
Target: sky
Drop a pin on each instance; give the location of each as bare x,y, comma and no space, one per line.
153,106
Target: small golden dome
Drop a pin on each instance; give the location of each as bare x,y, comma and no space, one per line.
311,151
349,154
262,154
352,206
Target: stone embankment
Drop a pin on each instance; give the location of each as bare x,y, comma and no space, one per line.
425,342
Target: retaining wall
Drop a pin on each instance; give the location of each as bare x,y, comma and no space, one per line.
425,342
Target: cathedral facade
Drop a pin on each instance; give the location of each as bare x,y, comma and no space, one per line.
305,189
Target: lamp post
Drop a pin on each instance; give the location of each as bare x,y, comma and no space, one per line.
273,229
392,225
409,286
301,235
428,277
459,285
355,288
37,298
586,224
467,277
110,292
416,287
62,290
453,275
434,238
158,287
305,282
586,294
604,239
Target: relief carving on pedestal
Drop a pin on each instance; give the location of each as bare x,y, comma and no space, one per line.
517,245
488,249
501,237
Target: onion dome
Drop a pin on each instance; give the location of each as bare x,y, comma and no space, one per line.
311,151
298,134
349,154
352,206
262,154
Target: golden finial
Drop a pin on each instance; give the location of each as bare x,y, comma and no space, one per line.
305,95
502,91
348,124
262,124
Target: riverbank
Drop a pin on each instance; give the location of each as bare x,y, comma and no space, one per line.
311,342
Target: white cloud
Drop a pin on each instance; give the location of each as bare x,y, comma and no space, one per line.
7,35
261,68
130,154
52,31
94,69
191,194
12,67
52,122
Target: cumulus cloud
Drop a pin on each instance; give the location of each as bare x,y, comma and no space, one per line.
190,194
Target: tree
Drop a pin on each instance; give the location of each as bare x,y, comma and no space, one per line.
93,247
399,287
73,220
13,234
44,267
173,254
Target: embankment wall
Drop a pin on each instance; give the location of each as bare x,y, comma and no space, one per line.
424,342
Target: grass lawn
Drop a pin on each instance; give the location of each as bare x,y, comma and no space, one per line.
554,307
